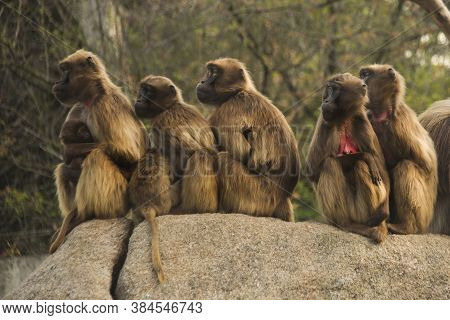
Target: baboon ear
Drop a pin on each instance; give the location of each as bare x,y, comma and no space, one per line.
391,72
242,74
172,89
90,61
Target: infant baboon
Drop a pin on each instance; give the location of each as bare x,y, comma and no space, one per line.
345,161
407,147
73,133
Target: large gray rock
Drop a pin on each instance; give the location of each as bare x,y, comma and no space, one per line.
214,256
83,267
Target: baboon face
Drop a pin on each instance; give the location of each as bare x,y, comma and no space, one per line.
382,81
343,95
156,94
75,132
223,79
79,73
83,134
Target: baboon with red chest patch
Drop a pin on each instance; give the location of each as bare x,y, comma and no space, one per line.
345,162
408,149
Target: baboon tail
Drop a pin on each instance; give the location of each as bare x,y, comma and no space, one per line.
56,243
150,216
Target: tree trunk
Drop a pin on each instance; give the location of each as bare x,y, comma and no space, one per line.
439,11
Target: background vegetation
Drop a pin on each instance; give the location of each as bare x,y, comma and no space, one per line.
291,47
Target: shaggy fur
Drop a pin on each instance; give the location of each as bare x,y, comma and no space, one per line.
408,150
101,191
436,120
258,166
178,175
351,195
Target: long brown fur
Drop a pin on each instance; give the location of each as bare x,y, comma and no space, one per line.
101,191
351,196
183,136
178,173
151,195
73,134
258,166
408,150
436,120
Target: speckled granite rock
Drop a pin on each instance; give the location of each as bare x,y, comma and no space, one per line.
212,256
83,267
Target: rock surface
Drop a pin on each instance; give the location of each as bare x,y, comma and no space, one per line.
214,256
83,267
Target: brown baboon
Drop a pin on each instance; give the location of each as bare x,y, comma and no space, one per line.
150,195
178,173
101,191
436,120
408,150
345,161
77,143
258,166
183,136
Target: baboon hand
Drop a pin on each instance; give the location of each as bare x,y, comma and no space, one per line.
373,169
375,174
259,165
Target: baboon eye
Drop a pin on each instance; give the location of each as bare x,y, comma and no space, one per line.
212,72
329,90
364,74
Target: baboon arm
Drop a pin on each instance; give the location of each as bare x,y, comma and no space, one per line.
419,152
369,146
422,157
374,170
120,131
365,135
71,172
265,146
317,152
75,150
233,141
184,139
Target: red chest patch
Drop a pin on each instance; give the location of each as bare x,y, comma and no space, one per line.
346,144
89,103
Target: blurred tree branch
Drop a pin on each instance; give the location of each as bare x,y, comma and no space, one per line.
440,13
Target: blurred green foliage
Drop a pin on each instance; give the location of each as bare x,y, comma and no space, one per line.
290,47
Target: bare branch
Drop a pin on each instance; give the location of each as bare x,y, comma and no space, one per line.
440,13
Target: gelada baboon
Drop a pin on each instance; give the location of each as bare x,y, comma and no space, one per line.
345,161
408,150
436,120
151,195
258,166
178,172
101,191
184,137
77,143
